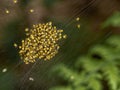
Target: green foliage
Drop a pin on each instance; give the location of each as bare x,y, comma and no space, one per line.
114,21
93,70
101,63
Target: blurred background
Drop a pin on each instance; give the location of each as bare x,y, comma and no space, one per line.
98,25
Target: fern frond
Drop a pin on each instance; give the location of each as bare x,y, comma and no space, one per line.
113,20
94,83
89,64
103,52
111,73
65,73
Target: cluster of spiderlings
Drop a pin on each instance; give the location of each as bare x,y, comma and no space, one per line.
41,43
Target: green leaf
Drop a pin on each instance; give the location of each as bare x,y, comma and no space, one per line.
94,82
112,75
114,41
102,51
89,65
65,73
113,20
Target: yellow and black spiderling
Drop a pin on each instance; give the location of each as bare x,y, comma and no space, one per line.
41,43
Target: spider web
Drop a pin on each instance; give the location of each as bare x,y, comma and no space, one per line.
40,70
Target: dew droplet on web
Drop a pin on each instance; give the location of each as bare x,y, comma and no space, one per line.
4,70
31,79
